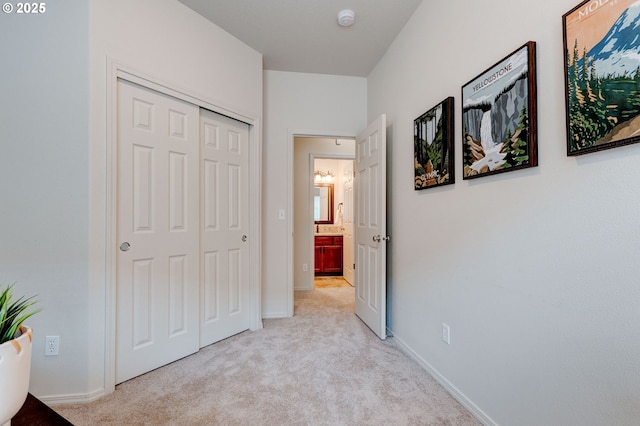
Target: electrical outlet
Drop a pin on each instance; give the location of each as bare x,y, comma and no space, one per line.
305,267
51,345
446,334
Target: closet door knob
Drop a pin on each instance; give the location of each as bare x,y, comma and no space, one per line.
125,246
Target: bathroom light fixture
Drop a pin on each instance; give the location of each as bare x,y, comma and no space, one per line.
346,17
319,176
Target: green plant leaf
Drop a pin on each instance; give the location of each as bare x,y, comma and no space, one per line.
13,313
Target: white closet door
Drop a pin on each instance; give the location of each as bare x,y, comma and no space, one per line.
225,298
157,230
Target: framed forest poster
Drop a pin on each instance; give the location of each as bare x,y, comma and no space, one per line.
433,146
602,74
499,121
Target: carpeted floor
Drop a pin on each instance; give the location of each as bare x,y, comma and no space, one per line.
321,367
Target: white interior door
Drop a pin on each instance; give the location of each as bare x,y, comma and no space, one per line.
347,215
370,226
225,300
157,230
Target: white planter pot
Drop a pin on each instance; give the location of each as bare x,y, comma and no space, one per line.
15,367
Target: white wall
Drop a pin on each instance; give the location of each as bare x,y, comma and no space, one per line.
296,103
536,271
54,144
44,186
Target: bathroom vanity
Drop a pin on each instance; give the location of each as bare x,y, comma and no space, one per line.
328,255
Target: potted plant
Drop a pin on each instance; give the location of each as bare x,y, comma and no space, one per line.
15,352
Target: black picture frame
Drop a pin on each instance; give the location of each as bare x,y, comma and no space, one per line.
433,147
499,116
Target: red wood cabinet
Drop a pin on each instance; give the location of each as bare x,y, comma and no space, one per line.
328,255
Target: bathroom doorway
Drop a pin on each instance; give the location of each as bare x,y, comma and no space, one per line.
333,222
328,151
370,202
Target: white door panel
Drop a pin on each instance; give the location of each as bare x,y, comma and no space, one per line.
225,227
348,259
158,190
370,226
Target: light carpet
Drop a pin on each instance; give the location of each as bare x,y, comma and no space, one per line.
321,367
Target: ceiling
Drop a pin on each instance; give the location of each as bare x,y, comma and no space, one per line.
304,35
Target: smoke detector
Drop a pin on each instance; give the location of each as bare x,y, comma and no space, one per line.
346,17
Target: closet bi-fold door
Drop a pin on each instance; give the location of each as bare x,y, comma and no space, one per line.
224,245
157,230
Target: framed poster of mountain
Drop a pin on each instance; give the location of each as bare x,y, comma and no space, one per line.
602,74
433,146
499,121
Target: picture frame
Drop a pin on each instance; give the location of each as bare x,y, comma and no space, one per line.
602,75
499,116
433,153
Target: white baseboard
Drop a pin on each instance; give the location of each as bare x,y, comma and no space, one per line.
275,315
459,396
78,398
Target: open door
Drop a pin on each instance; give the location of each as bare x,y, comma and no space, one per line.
370,192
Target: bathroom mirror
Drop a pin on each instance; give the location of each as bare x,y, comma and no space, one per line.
323,203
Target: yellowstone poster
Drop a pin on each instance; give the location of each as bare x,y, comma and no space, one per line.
602,75
499,116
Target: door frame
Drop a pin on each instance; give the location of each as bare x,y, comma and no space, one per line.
292,134
312,158
116,71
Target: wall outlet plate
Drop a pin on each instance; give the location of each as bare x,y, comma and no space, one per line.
51,345
446,334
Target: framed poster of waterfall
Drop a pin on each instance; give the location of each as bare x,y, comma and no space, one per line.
499,116
602,74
